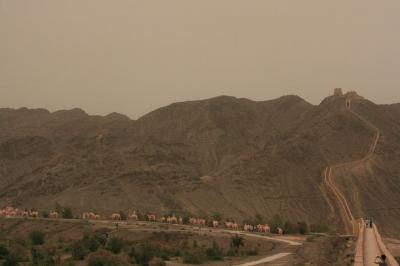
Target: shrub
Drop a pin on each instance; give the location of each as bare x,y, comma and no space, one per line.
259,219
36,237
104,258
210,223
141,216
237,242
50,249
186,219
319,228
10,261
302,228
163,255
217,217
41,259
157,262
252,252
275,222
231,253
68,262
289,228
142,254
92,242
115,245
45,214
215,252
19,252
101,235
123,215
67,213
58,208
78,250
3,252
193,257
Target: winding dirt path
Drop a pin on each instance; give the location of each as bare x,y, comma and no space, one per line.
267,259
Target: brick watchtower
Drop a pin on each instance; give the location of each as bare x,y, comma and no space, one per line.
338,92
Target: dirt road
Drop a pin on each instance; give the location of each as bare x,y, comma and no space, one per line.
288,240
265,260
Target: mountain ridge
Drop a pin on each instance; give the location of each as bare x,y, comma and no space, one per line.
233,156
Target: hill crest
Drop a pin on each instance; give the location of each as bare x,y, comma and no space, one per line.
262,157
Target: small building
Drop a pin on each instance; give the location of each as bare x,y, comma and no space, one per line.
338,92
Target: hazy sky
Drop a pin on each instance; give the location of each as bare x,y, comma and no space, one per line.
134,56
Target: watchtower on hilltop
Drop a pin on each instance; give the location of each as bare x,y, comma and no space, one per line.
338,92
353,95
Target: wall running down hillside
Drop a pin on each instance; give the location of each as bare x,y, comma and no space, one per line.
223,155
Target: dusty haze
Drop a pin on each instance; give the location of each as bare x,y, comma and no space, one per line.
134,56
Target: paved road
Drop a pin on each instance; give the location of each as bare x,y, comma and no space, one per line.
371,248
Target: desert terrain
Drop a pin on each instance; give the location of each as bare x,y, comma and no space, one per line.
283,162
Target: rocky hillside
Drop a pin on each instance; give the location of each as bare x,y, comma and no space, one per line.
232,156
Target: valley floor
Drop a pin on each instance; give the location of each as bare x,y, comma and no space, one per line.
257,250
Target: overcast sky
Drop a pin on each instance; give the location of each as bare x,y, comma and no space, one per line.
134,56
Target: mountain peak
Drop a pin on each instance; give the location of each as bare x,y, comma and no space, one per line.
117,116
71,114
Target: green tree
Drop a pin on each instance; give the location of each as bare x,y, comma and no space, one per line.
36,237
123,215
58,208
186,219
217,217
67,213
237,242
3,252
302,228
276,222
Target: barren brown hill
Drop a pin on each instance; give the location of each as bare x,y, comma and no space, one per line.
232,156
